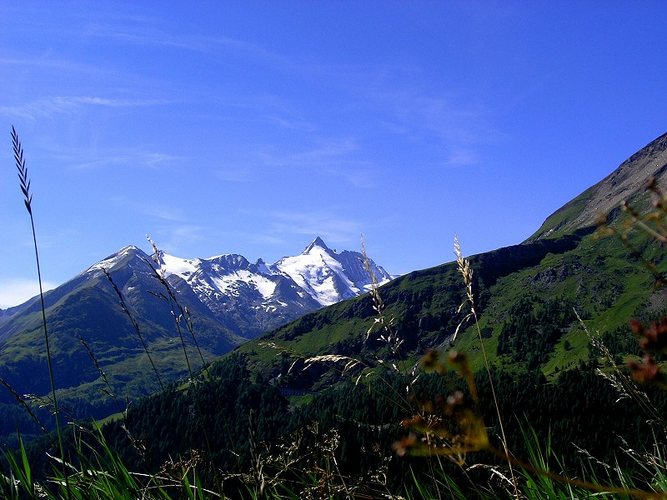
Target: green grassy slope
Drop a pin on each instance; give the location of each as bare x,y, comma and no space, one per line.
526,294
541,282
87,308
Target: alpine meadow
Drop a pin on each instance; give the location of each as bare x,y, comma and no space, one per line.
383,315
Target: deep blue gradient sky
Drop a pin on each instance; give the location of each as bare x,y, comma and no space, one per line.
252,127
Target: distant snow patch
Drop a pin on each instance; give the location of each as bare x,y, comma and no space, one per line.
180,267
230,283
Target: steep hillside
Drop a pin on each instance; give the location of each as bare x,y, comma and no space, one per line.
526,294
626,183
87,310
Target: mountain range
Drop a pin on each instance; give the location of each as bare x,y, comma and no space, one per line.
131,297
256,297
526,296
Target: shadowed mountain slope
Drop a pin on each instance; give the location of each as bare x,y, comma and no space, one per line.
525,295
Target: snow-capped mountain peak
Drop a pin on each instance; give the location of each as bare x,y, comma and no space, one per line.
250,298
184,268
262,267
329,277
114,260
317,243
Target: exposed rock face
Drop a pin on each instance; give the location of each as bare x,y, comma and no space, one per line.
627,182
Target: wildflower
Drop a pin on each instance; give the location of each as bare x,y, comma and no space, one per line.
654,338
430,360
403,446
645,371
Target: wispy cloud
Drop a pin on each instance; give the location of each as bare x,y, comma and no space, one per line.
334,229
16,291
167,213
62,65
235,174
145,34
338,158
146,159
266,239
60,104
291,123
268,110
170,214
455,121
400,99
332,151
460,126
460,157
178,238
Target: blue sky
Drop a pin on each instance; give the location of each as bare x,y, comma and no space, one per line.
252,127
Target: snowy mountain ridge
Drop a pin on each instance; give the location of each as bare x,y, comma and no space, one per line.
250,298
123,306
318,273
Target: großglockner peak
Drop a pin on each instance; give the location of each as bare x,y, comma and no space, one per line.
257,296
329,277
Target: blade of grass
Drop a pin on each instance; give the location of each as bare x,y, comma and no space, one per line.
27,200
135,325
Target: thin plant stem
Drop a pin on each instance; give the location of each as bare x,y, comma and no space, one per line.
185,312
17,397
467,273
180,335
172,307
135,325
25,189
107,390
495,404
175,305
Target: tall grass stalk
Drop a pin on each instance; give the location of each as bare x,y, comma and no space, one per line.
135,325
466,271
27,200
178,312
174,315
541,471
107,390
387,334
619,380
24,404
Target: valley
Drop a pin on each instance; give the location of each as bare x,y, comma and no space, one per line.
108,320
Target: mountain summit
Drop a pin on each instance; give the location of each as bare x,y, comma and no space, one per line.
317,242
258,296
329,277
